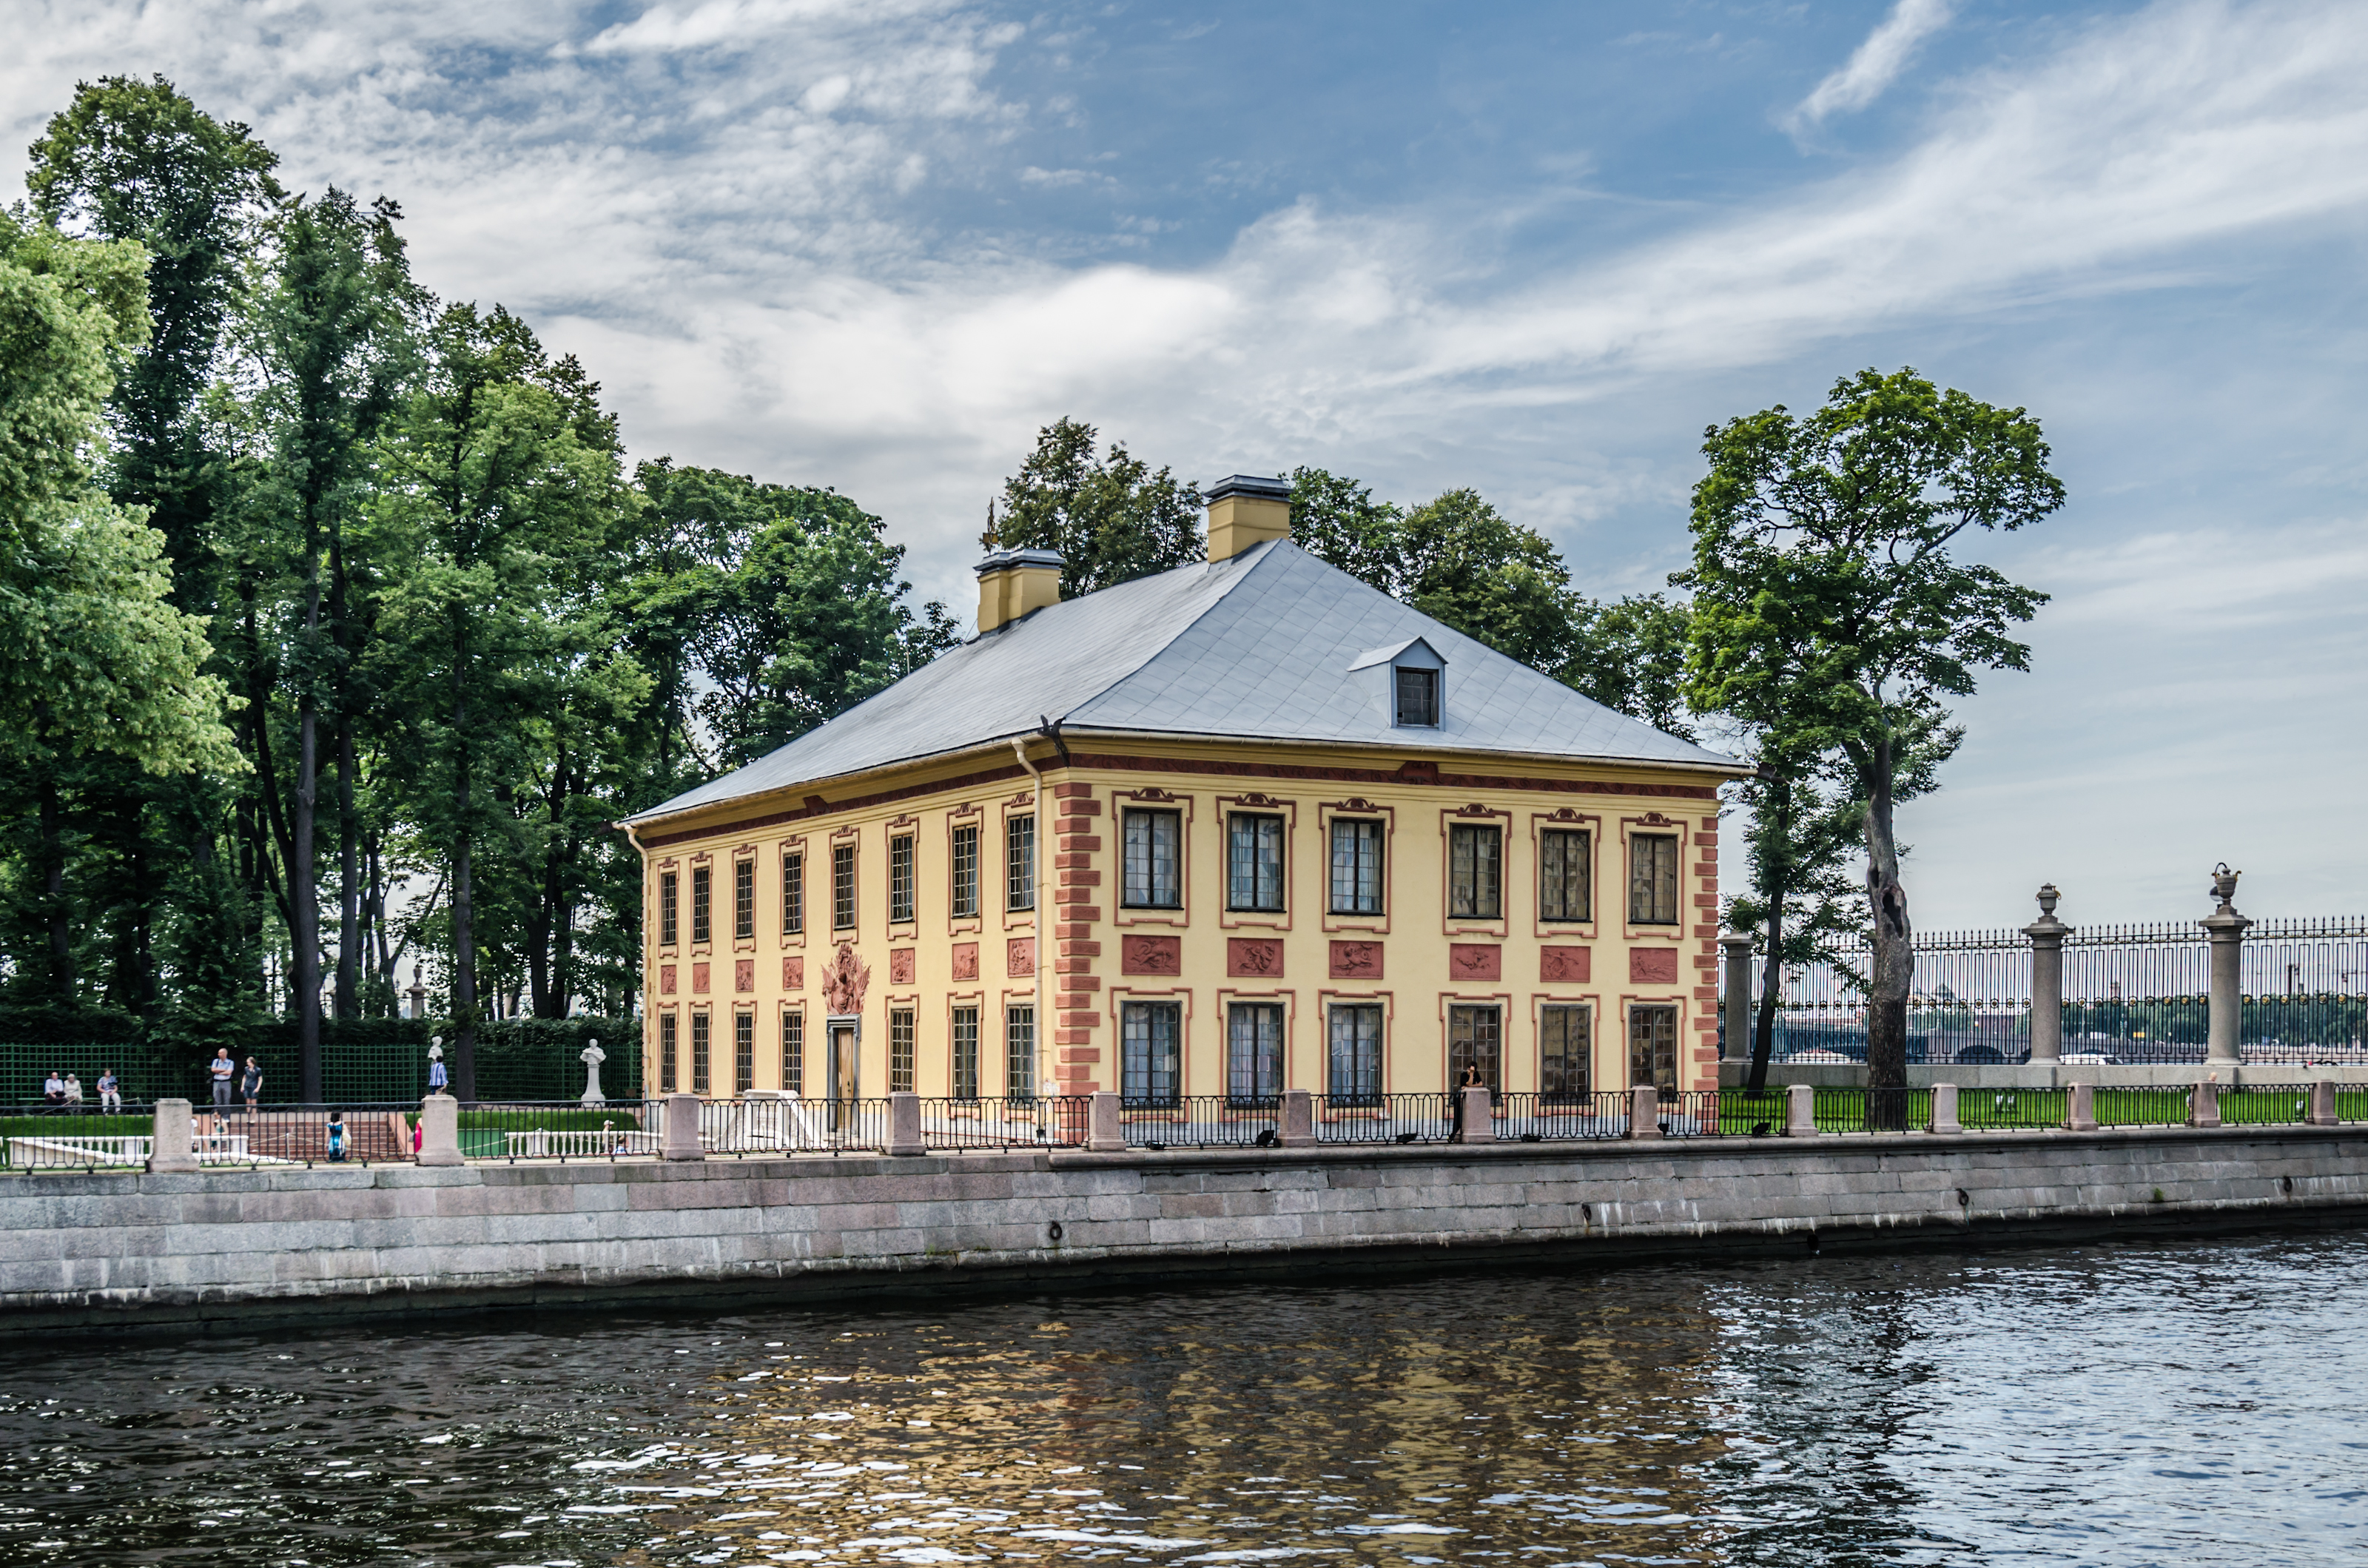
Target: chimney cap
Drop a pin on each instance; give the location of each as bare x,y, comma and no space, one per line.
1003,560
1248,484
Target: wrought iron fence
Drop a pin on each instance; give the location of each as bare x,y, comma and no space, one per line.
1045,1122
43,1137
556,1129
2131,993
1529,1117
1383,1119
1202,1122
1994,1111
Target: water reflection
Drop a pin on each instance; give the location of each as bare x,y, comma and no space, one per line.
2104,1406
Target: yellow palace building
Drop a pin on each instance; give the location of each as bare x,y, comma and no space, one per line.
1242,826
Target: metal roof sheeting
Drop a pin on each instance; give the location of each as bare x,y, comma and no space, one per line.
1257,648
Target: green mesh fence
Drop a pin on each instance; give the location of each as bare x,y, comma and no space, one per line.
375,1060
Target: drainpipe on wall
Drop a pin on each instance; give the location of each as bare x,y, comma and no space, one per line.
1036,882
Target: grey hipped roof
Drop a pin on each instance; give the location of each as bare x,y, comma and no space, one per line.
1257,648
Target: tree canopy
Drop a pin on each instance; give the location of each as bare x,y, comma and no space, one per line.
1831,612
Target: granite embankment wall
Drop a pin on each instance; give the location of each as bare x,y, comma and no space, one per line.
237,1250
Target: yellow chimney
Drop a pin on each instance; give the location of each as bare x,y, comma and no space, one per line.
1245,510
1013,582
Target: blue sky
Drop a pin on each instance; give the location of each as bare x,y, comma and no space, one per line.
1529,248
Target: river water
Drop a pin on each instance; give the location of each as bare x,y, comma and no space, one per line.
2177,1403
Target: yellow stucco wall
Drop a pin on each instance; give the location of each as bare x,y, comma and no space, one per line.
1427,962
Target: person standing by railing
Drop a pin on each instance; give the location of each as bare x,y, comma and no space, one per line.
250,1085
110,1092
223,1070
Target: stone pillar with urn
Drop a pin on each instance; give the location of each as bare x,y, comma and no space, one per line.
2226,930
2047,935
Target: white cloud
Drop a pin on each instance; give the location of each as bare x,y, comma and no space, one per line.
1876,64
714,202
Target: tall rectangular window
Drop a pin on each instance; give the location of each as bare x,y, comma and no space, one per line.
794,1050
1653,1048
1253,1053
1151,1037
964,1041
668,887
1565,1035
698,1053
963,904
1475,862
900,879
1353,1073
703,879
1475,1037
1020,1051
1563,892
1418,693
743,1052
1154,876
744,900
793,894
1653,880
668,1047
1253,863
842,887
1356,866
1019,863
900,1050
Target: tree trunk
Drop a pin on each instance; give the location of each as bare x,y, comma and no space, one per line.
1771,975
304,904
349,879
1894,956
54,886
464,911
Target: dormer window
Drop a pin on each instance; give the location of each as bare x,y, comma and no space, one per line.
1418,691
1408,682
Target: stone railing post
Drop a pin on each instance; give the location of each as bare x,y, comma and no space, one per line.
1801,1110
1735,1038
1297,1125
2047,935
904,1138
2322,1103
174,1145
680,1141
1645,1112
2226,928
439,1130
1104,1133
2080,1109
1479,1114
1945,1108
2203,1103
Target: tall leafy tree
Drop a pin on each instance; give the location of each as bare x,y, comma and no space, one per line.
1460,560
1829,605
1109,515
136,160
809,622
332,340
95,661
503,491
